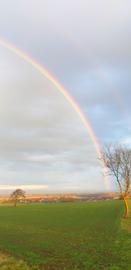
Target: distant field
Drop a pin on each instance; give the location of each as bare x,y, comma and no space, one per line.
79,235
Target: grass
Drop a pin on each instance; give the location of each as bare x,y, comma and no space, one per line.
122,247
9,263
70,236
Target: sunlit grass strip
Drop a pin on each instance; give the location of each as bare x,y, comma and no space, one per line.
9,263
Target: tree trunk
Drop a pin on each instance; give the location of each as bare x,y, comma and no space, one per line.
126,214
124,197
15,204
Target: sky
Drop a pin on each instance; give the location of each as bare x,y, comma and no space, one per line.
86,45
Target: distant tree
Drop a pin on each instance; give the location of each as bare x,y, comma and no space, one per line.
17,195
117,159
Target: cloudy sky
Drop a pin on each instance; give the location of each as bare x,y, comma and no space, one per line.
86,45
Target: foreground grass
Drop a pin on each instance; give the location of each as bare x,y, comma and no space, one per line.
86,235
122,246
9,263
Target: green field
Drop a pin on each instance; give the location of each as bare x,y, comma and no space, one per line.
79,235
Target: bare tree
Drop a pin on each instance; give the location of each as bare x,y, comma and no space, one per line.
117,159
17,195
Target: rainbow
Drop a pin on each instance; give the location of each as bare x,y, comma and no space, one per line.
29,59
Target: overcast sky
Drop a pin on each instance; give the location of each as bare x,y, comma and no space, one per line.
86,44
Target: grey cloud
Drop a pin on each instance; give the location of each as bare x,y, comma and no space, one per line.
70,34
41,136
86,44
